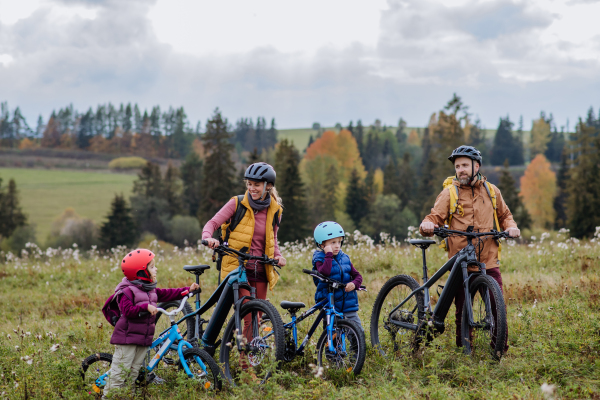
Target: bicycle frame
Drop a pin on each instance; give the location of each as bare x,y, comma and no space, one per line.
170,339
457,264
327,308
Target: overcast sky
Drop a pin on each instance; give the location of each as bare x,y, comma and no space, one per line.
304,61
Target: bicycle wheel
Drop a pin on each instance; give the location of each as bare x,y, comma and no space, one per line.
488,335
209,379
91,368
163,322
261,351
385,336
349,344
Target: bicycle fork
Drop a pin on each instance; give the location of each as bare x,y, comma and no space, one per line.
331,314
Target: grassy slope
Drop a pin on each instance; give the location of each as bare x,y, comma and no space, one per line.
553,315
46,193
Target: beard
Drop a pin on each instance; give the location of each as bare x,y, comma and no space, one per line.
464,179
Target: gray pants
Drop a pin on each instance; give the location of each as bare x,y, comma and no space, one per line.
126,363
353,316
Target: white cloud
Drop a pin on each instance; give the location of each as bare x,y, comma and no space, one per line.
321,61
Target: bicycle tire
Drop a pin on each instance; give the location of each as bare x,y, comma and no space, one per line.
384,336
355,341
103,362
234,362
187,327
213,380
494,338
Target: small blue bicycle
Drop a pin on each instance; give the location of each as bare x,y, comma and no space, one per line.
341,345
195,362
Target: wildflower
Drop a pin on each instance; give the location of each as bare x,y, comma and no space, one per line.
17,348
54,347
8,336
74,348
548,391
534,303
47,283
28,333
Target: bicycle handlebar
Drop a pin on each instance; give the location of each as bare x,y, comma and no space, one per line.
324,278
174,312
444,233
223,249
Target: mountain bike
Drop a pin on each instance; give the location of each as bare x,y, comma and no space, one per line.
196,363
403,317
342,343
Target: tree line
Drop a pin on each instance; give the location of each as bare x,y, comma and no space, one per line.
372,178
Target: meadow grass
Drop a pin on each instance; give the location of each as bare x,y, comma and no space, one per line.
44,194
551,287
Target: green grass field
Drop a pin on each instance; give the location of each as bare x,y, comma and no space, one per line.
45,194
551,289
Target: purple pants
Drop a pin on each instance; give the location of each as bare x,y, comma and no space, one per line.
459,300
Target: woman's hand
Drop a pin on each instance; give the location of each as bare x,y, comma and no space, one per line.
281,261
212,243
152,310
350,287
328,249
194,287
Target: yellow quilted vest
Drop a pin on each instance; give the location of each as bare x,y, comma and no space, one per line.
241,237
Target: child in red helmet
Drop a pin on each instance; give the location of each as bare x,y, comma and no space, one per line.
133,334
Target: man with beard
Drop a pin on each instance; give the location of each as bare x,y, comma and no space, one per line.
476,210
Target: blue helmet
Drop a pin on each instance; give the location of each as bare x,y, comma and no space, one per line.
328,230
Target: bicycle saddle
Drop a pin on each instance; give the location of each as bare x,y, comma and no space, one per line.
422,243
196,269
292,306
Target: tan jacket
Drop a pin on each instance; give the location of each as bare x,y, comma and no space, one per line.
479,212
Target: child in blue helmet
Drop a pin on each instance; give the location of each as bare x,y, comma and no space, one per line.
331,261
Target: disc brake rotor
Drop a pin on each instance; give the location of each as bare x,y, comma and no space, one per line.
258,354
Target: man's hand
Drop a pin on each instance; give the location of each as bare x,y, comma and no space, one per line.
428,227
514,232
194,287
152,310
350,287
281,261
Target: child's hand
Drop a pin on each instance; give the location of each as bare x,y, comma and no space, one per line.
152,310
350,287
194,287
328,249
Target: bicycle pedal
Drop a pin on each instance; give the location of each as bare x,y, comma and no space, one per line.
168,361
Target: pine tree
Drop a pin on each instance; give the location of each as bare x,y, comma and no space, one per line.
560,200
406,181
11,215
512,198
357,199
172,190
391,179
583,187
290,187
149,182
329,193
219,170
359,133
120,228
506,145
191,175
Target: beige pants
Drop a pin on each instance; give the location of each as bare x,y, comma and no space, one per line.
126,363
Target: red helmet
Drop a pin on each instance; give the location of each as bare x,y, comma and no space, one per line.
135,262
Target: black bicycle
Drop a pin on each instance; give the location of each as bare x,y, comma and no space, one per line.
402,315
261,346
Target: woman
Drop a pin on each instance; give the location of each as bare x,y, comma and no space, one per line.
257,230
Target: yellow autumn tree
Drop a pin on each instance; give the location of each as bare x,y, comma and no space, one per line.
538,188
540,136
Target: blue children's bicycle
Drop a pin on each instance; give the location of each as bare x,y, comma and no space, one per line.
196,363
341,345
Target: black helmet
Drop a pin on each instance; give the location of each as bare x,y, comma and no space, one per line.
466,151
260,172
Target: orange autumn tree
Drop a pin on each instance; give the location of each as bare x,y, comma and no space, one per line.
538,188
326,169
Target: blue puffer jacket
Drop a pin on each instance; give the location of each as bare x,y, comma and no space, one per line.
340,271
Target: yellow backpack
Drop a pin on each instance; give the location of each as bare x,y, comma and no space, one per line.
457,208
